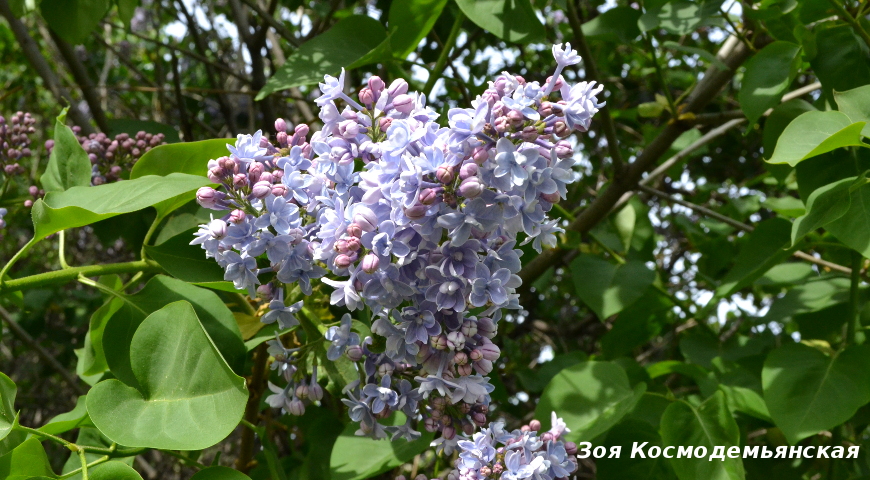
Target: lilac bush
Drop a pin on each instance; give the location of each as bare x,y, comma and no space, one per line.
416,222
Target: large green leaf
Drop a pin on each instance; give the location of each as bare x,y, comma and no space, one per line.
352,42
74,20
358,458
216,318
189,398
779,119
410,21
679,17
8,390
853,228
591,397
815,133
708,425
191,158
219,473
607,288
807,391
75,418
27,460
619,23
768,75
841,59
185,261
765,247
68,164
826,205
855,104
114,470
81,206
511,20
637,324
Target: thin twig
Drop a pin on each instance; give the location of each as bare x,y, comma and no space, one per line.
278,27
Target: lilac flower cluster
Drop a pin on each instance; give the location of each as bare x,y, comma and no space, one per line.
15,140
110,157
496,453
415,222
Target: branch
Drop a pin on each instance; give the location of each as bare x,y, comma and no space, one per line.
256,385
279,27
592,74
43,353
69,274
740,226
31,50
733,54
179,99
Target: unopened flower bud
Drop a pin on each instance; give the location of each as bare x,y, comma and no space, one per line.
479,418
376,85
302,391
34,190
265,291
240,180
501,124
455,341
485,471
366,97
370,263
281,138
385,369
535,425
428,196
340,245
353,244
471,188
515,118
468,170
404,103
467,428
384,123
416,212
551,197
461,358
315,392
215,174
486,327
27,204
366,219
296,407
261,189
469,328
280,125
354,353
431,425
237,216
255,171
530,133
489,350
448,433
205,196
444,174
475,355
354,230
398,87
348,129
299,134
570,448
483,366
438,342
546,109
217,228
561,130
280,190
464,370
564,149
343,261
479,155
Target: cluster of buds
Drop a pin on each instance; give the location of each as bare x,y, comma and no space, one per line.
15,141
112,157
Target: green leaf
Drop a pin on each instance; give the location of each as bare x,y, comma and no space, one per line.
27,460
855,104
9,437
618,23
219,473
126,10
787,274
190,157
785,206
217,319
81,206
410,21
535,381
779,119
765,247
807,391
841,62
606,288
95,358
815,133
637,324
190,399
591,397
768,75
75,418
350,40
853,228
91,437
74,20
513,21
826,205
679,17
18,7
68,164
133,126
115,470
358,458
625,435
185,261
709,425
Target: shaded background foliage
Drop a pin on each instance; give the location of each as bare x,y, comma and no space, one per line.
684,293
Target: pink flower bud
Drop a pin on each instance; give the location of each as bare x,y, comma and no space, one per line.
340,246
376,85
366,97
470,188
428,196
267,177
486,327
515,118
240,180
265,291
438,342
398,87
237,216
464,370
215,175
489,350
281,138
501,124
483,366
354,230
570,448
315,392
299,134
34,190
384,123
444,174
535,425
404,103
431,425
415,212
217,228
479,155
467,428
279,190
205,196
475,355
561,130
348,129
479,418
468,170
353,244
448,433
366,219
530,133
280,125
261,189
255,171
551,197
461,358
370,263
28,203
343,261
439,403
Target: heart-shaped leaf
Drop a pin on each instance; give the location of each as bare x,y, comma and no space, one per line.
510,20
591,397
807,391
189,399
607,288
114,470
26,461
815,133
